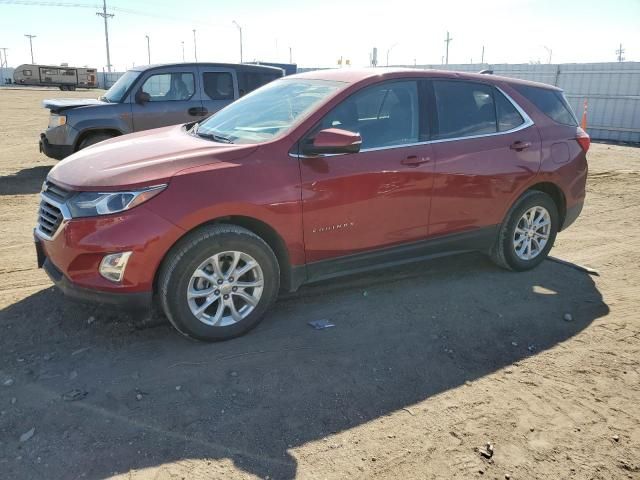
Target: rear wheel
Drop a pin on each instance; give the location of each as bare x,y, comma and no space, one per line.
94,138
528,232
218,282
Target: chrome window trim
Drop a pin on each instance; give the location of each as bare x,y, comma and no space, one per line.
528,122
66,216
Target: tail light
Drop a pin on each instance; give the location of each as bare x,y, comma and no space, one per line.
583,139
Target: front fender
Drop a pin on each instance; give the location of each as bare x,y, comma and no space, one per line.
237,189
116,117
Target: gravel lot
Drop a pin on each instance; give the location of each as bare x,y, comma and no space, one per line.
426,364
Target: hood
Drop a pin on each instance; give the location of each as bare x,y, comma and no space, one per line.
61,104
141,159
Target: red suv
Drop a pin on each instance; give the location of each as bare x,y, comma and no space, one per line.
307,178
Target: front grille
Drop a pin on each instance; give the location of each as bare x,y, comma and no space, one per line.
49,214
49,218
55,192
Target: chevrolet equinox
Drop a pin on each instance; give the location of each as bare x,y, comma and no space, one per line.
310,177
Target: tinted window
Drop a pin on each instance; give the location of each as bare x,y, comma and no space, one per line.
27,73
249,81
218,85
551,102
464,109
165,87
508,116
384,115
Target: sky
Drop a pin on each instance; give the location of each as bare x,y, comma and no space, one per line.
320,32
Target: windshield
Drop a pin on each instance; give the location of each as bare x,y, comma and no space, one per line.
267,112
118,89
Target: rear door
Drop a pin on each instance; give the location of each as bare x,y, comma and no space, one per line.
174,98
219,88
485,148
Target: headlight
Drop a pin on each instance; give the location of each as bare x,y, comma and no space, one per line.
89,204
56,120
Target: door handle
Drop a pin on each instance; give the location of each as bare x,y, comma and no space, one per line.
520,146
414,161
197,111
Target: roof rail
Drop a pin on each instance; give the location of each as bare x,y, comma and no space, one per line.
486,72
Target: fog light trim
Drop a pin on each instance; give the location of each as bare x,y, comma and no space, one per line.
112,266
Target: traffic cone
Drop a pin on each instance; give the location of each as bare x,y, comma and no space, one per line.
583,123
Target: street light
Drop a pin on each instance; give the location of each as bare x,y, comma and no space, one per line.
182,42
389,51
240,29
148,49
195,48
31,37
549,51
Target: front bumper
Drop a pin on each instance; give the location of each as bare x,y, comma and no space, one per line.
54,151
126,301
72,255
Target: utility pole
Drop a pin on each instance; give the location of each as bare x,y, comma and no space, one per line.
447,40
31,37
106,16
148,49
182,42
290,56
389,51
620,52
240,30
482,57
3,63
195,47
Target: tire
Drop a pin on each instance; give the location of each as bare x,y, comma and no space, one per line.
63,88
510,251
190,255
94,138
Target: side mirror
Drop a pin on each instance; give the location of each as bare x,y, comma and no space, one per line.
142,97
333,141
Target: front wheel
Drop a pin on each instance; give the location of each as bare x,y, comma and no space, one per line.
527,233
218,282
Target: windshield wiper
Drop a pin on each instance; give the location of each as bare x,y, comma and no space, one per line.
215,137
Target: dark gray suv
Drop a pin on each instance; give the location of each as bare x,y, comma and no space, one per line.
149,97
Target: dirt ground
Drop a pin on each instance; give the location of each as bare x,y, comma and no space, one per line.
425,365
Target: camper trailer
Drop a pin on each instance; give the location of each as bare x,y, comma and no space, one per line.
64,77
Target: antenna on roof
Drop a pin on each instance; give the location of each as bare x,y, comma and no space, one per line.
486,72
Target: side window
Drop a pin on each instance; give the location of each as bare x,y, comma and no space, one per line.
27,73
218,85
164,87
464,109
508,116
551,102
384,115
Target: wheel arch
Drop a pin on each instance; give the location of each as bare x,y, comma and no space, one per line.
289,275
557,195
91,131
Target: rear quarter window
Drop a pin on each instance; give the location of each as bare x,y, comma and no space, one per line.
550,102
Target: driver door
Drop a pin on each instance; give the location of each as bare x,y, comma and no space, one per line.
173,98
378,197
